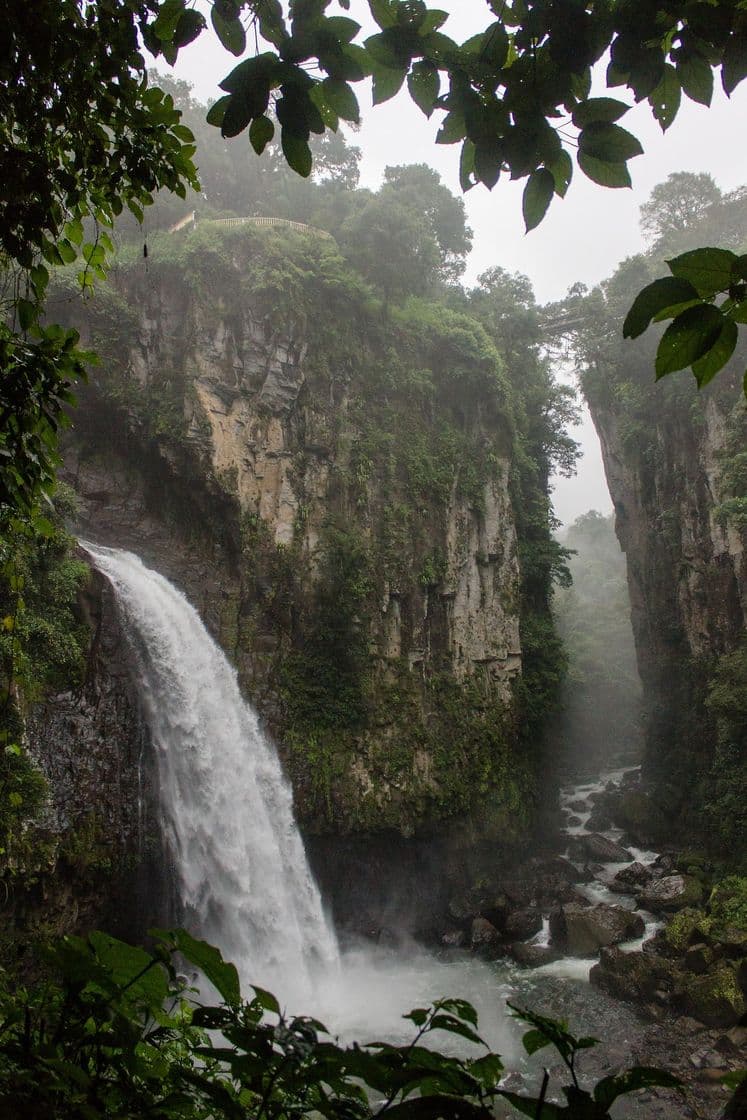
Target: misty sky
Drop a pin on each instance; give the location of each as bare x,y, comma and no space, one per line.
583,237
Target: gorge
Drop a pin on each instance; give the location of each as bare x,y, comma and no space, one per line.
355,499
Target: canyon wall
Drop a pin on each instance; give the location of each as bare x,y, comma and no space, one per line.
334,486
676,467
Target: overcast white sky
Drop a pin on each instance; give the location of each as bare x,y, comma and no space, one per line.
583,237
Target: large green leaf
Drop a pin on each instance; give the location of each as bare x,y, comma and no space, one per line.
608,142
734,63
604,172
386,82
696,78
561,169
665,99
341,99
598,109
706,368
669,291
228,27
709,269
538,194
687,338
639,1077
528,1106
261,133
423,83
221,974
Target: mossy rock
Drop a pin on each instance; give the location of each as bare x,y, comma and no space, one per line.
680,930
727,905
715,998
636,814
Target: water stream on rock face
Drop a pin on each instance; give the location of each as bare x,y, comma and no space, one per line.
238,858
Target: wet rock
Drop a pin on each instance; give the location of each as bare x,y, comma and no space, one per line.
635,812
580,805
599,847
685,927
523,923
465,907
663,864
733,942
698,958
599,821
636,977
637,875
484,936
670,893
581,931
631,778
715,998
573,821
532,956
539,883
453,939
734,1041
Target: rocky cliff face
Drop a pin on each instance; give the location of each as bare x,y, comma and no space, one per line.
92,856
333,492
675,465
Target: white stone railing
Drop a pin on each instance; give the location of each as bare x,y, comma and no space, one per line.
257,221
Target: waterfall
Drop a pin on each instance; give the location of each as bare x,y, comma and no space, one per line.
238,859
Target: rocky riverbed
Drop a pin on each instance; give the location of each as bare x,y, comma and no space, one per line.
627,942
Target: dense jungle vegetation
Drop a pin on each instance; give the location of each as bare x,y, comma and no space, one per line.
117,1034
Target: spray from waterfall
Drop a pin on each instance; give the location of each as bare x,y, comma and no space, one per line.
238,859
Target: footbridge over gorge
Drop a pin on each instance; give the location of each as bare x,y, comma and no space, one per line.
191,220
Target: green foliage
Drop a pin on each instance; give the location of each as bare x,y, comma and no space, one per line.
322,678
41,649
82,135
702,334
724,812
727,905
116,1033
38,372
500,91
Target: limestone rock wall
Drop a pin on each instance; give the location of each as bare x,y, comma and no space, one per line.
673,468
230,444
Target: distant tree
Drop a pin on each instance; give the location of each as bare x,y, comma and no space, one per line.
679,203
419,187
393,246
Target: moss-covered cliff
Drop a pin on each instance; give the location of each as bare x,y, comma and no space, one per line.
77,835
338,487
675,464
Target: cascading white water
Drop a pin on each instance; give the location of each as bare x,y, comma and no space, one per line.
238,857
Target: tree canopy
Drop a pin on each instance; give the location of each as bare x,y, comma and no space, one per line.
84,134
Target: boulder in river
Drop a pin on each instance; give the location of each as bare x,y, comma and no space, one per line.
599,847
630,976
484,936
581,930
670,893
627,879
580,805
599,821
532,956
523,923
